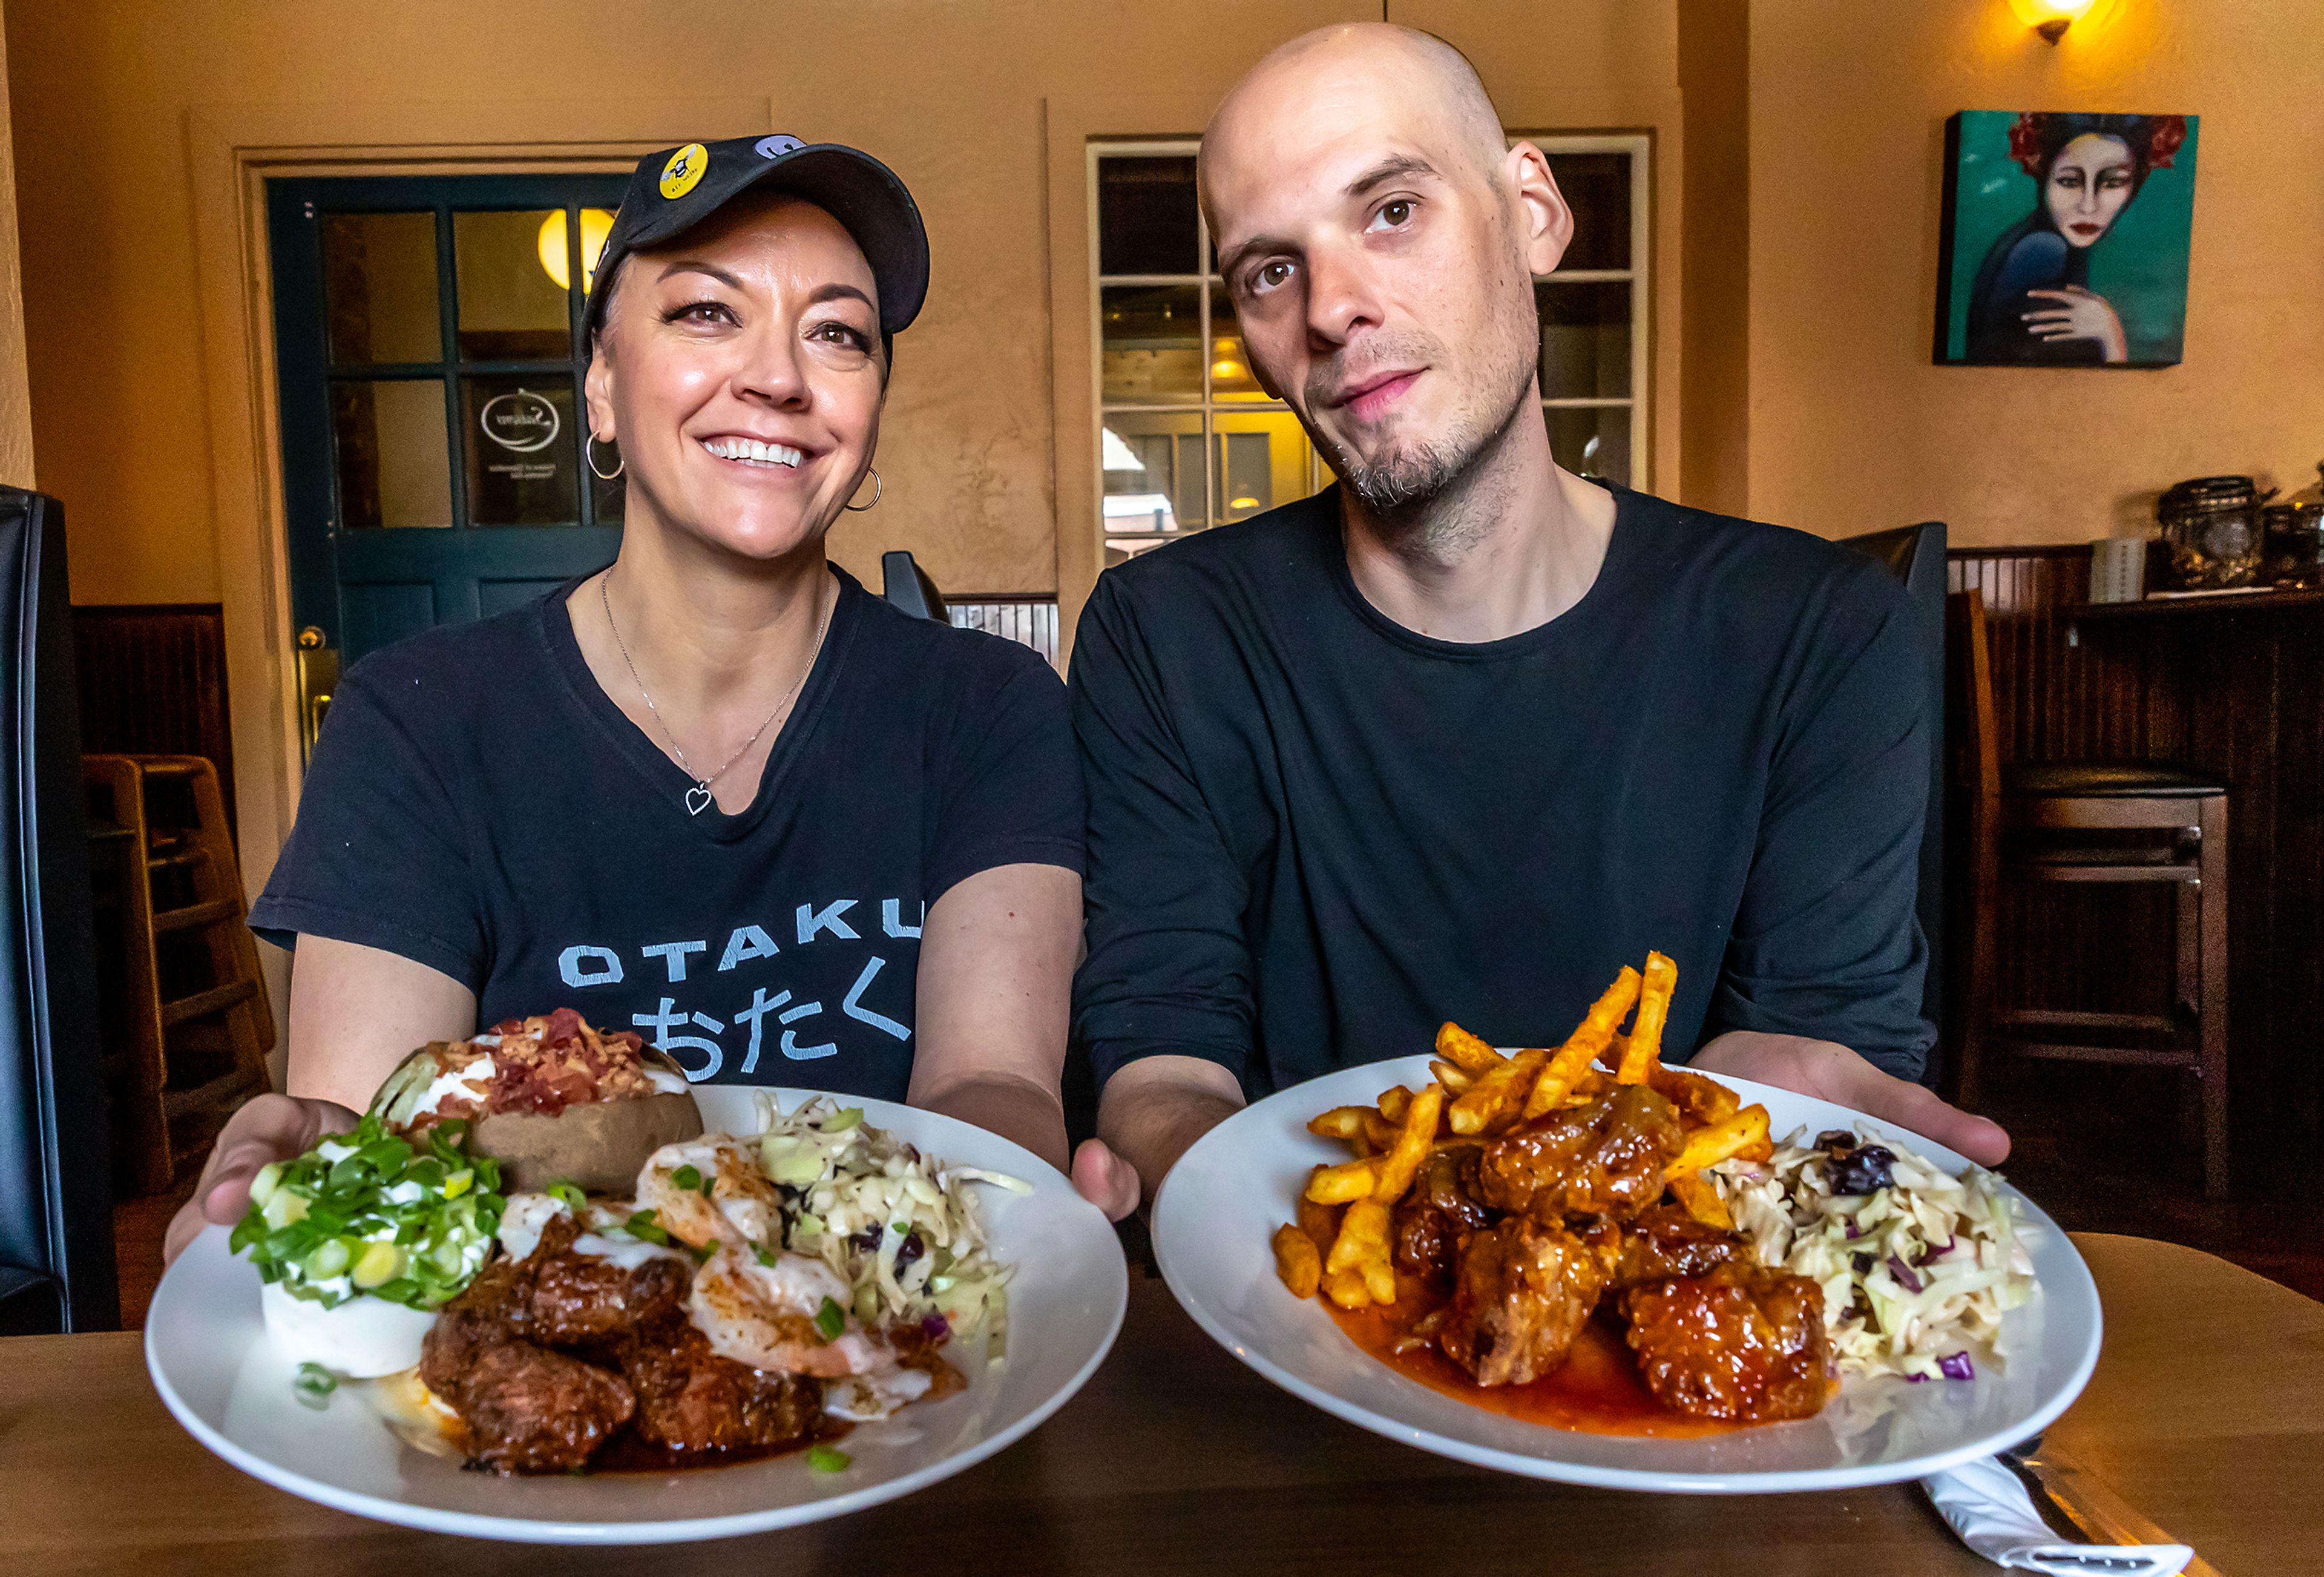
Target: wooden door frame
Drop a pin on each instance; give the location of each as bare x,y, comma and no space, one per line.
1071,124
231,150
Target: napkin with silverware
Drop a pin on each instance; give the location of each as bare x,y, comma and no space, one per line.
1988,1506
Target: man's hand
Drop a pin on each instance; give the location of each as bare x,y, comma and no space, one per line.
1105,1179
1833,1072
268,1127
1154,1108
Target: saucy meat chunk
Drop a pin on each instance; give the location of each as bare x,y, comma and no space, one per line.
690,1399
580,1300
1665,1241
1738,1343
527,1410
1440,1209
1605,1158
1520,1295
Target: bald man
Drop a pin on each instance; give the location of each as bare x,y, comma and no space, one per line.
1464,734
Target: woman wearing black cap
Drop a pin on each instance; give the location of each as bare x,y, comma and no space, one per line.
716,793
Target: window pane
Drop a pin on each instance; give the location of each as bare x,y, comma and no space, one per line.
523,450
1597,188
390,443
1231,378
379,278
1146,215
1263,460
512,308
1152,337
1153,463
1585,339
1592,442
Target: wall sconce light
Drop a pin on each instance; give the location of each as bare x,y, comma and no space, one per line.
2052,18
596,224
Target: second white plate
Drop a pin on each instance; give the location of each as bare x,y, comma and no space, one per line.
1222,1203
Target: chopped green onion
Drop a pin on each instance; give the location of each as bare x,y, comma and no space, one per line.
827,1458
765,1258
459,1181
263,1186
831,1320
315,1385
644,1227
686,1177
568,1196
702,1255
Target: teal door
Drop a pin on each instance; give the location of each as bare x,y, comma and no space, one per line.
427,337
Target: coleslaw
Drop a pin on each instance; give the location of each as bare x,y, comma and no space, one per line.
902,1228
1917,1266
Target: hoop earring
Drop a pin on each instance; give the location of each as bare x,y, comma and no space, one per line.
589,452
877,488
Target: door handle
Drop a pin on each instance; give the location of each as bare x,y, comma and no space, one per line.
319,675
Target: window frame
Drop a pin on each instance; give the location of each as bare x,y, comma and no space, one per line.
1638,276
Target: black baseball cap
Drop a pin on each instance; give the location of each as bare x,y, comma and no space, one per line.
678,189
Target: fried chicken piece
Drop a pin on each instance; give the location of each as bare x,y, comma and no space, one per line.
1738,1343
1520,1297
527,1410
1605,1158
691,1399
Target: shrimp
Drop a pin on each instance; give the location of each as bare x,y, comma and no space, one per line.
739,1200
762,1311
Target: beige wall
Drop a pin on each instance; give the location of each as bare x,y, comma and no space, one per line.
1851,428
15,385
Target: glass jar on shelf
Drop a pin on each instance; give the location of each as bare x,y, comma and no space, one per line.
2211,532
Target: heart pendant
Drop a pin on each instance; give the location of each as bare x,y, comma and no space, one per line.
698,800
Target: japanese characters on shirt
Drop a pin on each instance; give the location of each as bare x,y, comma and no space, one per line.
728,1000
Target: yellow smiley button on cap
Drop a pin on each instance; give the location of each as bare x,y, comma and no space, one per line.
684,171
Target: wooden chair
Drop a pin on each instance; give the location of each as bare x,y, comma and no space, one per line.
2045,823
194,1048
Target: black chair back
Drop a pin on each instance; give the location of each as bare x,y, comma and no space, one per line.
905,584
1915,555
56,1193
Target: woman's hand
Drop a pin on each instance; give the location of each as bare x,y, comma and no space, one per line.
269,1128
1833,1072
2080,314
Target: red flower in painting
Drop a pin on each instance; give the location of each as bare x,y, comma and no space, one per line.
2162,142
2026,141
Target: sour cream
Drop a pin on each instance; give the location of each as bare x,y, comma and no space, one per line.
466,1083
363,1338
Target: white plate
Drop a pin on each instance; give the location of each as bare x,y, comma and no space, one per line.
1223,1201
223,1380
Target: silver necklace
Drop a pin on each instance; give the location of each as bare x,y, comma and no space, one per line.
698,798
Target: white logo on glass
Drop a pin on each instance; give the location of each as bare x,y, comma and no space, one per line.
519,420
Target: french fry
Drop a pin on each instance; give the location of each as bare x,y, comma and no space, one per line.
1363,1147
1380,1131
1758,1152
1339,1122
1453,1076
1393,1101
1403,1159
1298,1261
1347,1289
1702,1099
1361,1231
1321,1222
1696,1197
1379,1278
1457,1046
1498,1094
1343,1184
1644,1047
1557,1076
1709,1145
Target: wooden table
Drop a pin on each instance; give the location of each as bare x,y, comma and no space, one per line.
2206,1413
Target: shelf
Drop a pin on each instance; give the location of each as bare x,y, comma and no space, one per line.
2253,602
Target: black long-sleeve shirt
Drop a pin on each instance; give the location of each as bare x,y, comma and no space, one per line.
1315,834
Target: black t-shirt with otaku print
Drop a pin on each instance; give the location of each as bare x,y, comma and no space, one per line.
478,804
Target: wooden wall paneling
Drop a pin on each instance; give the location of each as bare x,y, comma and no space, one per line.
152,682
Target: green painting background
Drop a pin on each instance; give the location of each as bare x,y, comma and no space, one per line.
2139,267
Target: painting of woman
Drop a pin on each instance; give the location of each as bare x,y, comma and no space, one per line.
2033,300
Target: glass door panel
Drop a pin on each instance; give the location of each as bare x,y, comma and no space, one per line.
379,283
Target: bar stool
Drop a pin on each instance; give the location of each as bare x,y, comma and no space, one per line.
2060,822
